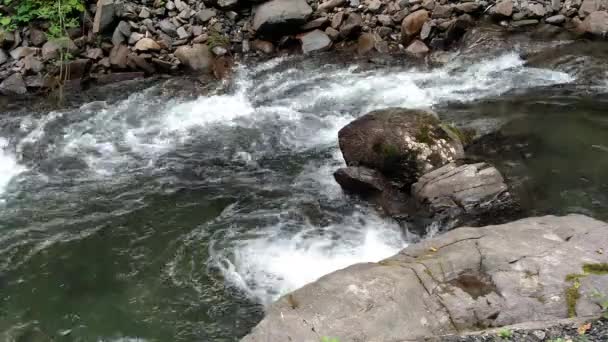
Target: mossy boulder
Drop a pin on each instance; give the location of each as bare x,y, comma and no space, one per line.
403,144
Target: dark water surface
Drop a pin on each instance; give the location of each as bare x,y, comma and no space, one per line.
170,219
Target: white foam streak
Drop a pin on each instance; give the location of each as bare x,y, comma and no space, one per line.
9,167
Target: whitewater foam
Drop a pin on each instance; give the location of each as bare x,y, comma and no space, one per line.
9,167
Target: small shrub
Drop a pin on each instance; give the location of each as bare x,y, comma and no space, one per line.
59,14
505,333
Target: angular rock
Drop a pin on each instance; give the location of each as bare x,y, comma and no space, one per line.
3,57
182,33
330,5
52,48
76,69
135,37
417,48
385,20
425,32
468,7
196,57
429,4
168,27
106,13
315,40
337,20
332,33
147,44
588,7
503,8
219,50
119,56
319,23
32,64
462,280
205,15
37,37
22,51
596,23
403,144
361,180
351,26
140,62
556,19
467,194
13,85
365,43
94,53
225,4
412,24
374,6
277,18
522,23
537,10
144,13
442,11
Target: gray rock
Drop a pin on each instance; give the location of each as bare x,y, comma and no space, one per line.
32,64
205,15
106,13
13,85
314,24
22,52
185,15
94,53
399,16
144,13
3,57
459,281
425,32
196,57
588,7
135,37
417,48
412,24
227,3
537,10
332,33
315,40
361,180
168,27
337,20
556,5
170,5
52,48
37,81
124,28
596,23
374,6
119,56
147,44
522,23
468,7
219,50
442,11
403,144
277,18
37,37
182,33
181,5
429,4
556,19
351,26
465,194
385,20
330,5
503,8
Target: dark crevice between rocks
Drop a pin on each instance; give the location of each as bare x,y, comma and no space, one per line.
474,284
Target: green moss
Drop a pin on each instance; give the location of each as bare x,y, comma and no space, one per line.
424,135
217,39
574,277
572,296
600,269
465,136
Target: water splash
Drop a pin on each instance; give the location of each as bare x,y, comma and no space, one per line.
9,167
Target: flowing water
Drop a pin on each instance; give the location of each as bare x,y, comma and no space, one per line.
175,219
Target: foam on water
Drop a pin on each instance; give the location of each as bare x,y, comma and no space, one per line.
9,167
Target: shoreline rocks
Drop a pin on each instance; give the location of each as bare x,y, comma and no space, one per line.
461,281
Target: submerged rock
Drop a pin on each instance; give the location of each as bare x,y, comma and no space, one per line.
403,144
462,280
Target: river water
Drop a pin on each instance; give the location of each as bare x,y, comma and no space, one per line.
161,218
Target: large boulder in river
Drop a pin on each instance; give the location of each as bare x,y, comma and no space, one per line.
403,144
471,194
535,269
596,23
412,24
277,18
196,57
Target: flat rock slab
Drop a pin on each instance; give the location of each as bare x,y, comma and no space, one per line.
461,280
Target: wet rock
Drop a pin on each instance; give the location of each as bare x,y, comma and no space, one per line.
365,43
319,23
503,8
315,40
403,144
467,194
3,57
196,58
361,180
13,85
412,24
556,19
351,26
458,281
116,77
332,33
417,48
37,37
263,46
147,44
119,56
22,51
52,48
277,18
330,5
456,30
596,23
522,23
140,62
106,13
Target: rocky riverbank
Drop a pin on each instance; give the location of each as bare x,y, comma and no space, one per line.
129,39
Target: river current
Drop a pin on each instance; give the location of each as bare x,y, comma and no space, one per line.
161,218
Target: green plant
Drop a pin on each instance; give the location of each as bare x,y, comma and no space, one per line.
217,39
603,302
60,15
329,339
505,333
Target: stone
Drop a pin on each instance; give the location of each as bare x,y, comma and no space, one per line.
351,26
202,38
442,11
596,23
429,4
3,57
522,23
556,5
13,85
168,27
182,33
219,50
37,37
76,69
425,32
412,24
537,10
459,281
315,40
277,18
403,144
140,62
205,15
116,77
468,7
170,5
384,32
263,46
147,44
588,7
337,20
503,8
181,5
144,13
332,33
37,81
399,16
197,30
32,64
365,43
118,37
385,20
22,52
185,15
94,53
225,4
417,48
556,19
135,37
330,5
105,14
374,6
196,57
470,194
318,23
119,56
124,28
361,180
52,48
456,30
519,16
